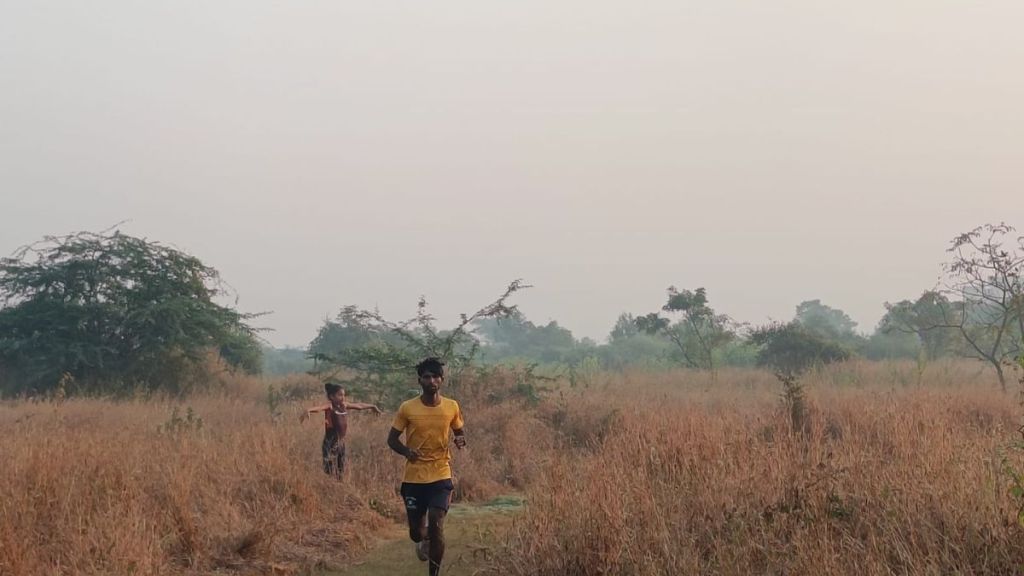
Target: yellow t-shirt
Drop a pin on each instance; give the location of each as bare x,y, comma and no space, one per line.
428,431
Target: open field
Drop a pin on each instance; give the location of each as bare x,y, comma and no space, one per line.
635,473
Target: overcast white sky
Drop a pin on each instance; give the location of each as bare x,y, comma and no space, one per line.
330,153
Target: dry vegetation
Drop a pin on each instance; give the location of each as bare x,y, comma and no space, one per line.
98,487
635,473
885,479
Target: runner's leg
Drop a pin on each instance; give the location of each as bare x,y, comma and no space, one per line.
435,532
415,513
437,511
341,459
325,448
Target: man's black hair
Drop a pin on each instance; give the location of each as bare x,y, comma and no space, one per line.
432,365
331,388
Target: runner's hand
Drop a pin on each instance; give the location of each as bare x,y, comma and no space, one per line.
412,455
460,442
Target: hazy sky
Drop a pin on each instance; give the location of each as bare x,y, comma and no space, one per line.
329,153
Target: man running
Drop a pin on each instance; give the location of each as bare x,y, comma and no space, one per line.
427,483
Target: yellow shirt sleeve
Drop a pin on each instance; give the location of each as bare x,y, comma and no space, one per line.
457,422
401,420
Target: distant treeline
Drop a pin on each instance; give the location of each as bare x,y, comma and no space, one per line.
106,313
977,311
630,345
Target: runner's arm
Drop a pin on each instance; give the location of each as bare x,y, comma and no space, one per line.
362,406
395,444
458,427
305,415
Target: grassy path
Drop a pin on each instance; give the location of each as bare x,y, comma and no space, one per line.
472,531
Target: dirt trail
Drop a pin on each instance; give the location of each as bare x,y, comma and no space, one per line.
473,535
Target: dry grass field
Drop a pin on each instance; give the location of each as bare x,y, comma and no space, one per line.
102,487
624,474
885,479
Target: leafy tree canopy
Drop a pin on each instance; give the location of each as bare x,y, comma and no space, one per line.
699,334
625,327
111,312
825,321
348,329
925,318
790,349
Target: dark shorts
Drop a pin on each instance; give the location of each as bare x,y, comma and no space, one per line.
419,497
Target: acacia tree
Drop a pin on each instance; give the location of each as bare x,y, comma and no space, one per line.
699,331
985,278
377,363
109,312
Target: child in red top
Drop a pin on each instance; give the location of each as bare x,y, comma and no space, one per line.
335,426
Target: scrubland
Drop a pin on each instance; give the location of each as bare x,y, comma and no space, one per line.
638,473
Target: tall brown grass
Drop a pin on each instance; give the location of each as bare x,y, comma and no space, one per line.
887,478
626,473
146,487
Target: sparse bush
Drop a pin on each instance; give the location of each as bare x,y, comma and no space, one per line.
790,350
177,424
377,363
